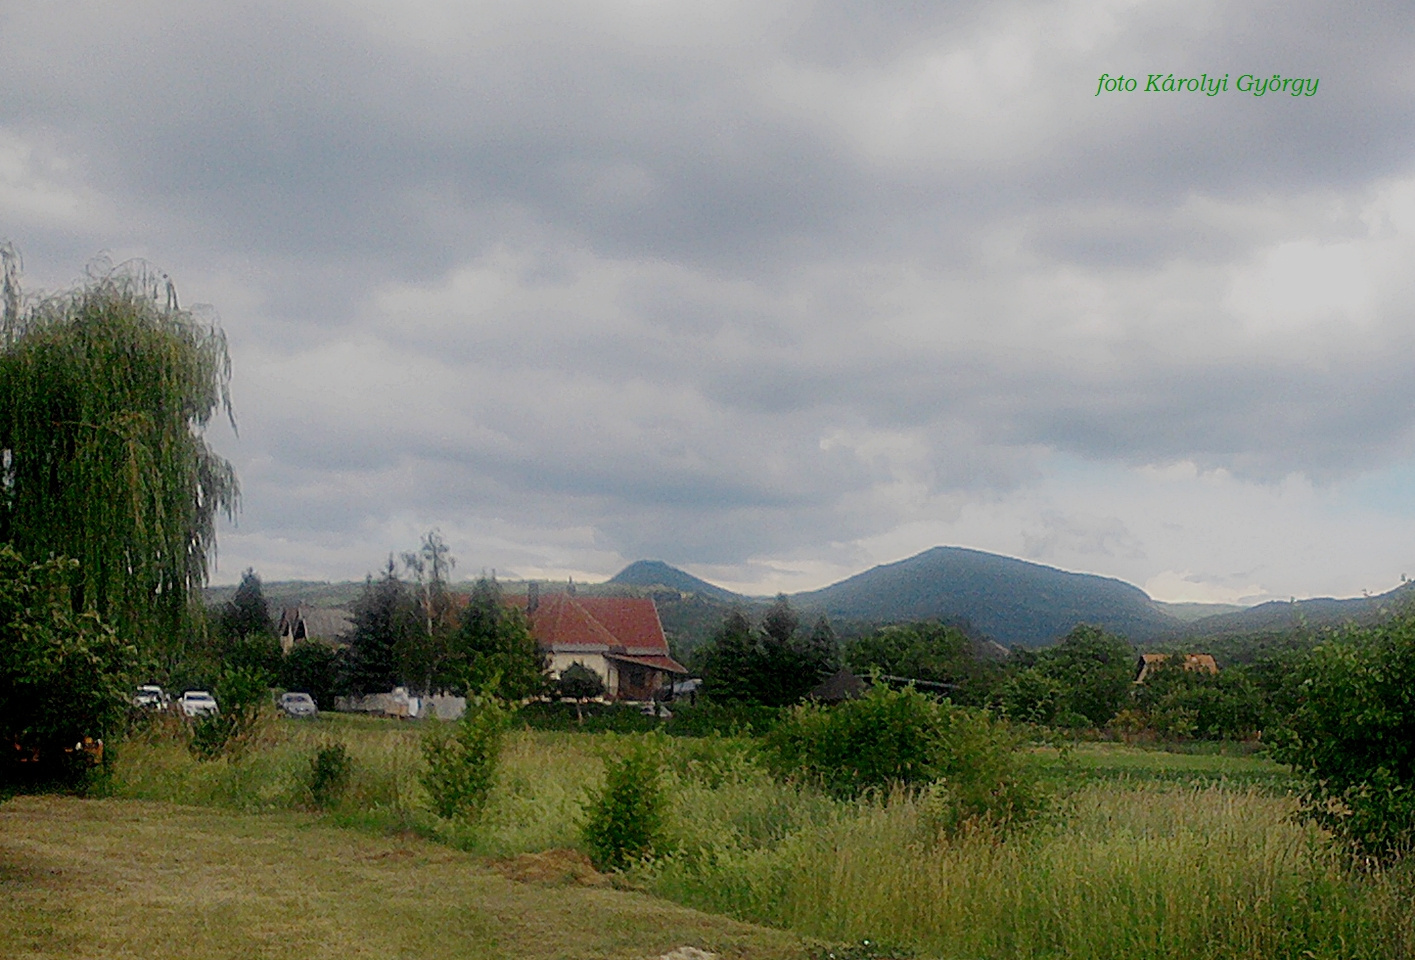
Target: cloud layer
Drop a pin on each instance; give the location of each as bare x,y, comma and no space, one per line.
772,291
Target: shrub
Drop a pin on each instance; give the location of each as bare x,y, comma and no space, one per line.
902,738
887,737
591,717
626,819
461,764
241,694
1350,734
63,676
579,682
329,775
733,719
210,734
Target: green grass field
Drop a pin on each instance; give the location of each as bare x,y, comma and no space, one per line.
119,879
1145,853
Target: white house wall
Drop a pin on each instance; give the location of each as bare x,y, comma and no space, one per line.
605,668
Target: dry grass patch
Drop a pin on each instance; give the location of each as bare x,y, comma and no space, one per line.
119,879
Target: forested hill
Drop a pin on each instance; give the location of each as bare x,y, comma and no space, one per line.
1007,600
1303,614
656,573
1010,601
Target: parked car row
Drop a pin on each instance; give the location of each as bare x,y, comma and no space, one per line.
200,703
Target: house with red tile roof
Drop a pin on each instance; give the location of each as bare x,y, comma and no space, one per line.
619,638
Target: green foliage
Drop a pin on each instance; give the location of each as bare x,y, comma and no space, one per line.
242,696
210,735
772,666
315,669
329,772
425,654
1030,696
579,682
626,819
928,651
1180,703
385,622
63,676
591,717
246,614
708,718
864,950
105,392
461,764
258,652
493,651
1095,671
885,738
1353,734
902,738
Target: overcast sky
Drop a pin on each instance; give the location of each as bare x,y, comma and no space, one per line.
771,291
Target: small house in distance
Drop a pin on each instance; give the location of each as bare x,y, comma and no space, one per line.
301,624
619,638
1197,662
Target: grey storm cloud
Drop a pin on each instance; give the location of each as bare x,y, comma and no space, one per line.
717,281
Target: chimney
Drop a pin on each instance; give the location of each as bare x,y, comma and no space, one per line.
532,597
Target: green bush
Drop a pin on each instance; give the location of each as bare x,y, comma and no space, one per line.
210,735
708,718
885,738
626,819
461,764
1351,733
902,738
591,717
242,695
329,775
63,676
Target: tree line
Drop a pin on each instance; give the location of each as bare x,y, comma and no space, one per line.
1087,680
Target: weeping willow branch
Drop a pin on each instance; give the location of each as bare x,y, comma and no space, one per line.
106,391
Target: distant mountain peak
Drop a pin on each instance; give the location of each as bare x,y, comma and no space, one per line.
656,573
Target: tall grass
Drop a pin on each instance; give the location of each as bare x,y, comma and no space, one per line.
1124,868
1148,872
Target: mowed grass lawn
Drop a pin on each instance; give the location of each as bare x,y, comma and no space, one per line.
117,879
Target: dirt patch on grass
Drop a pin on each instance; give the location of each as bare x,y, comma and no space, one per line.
553,868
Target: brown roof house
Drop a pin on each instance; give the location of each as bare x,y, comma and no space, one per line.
299,624
619,638
1197,662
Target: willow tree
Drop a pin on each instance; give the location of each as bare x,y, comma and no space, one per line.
106,391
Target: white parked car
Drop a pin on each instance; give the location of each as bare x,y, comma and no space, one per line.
298,705
198,703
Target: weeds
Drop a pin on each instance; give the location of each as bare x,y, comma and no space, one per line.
461,767
625,821
329,775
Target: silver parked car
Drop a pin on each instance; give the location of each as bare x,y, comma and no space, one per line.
298,705
198,703
151,697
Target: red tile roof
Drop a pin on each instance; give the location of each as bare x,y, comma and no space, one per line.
626,627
